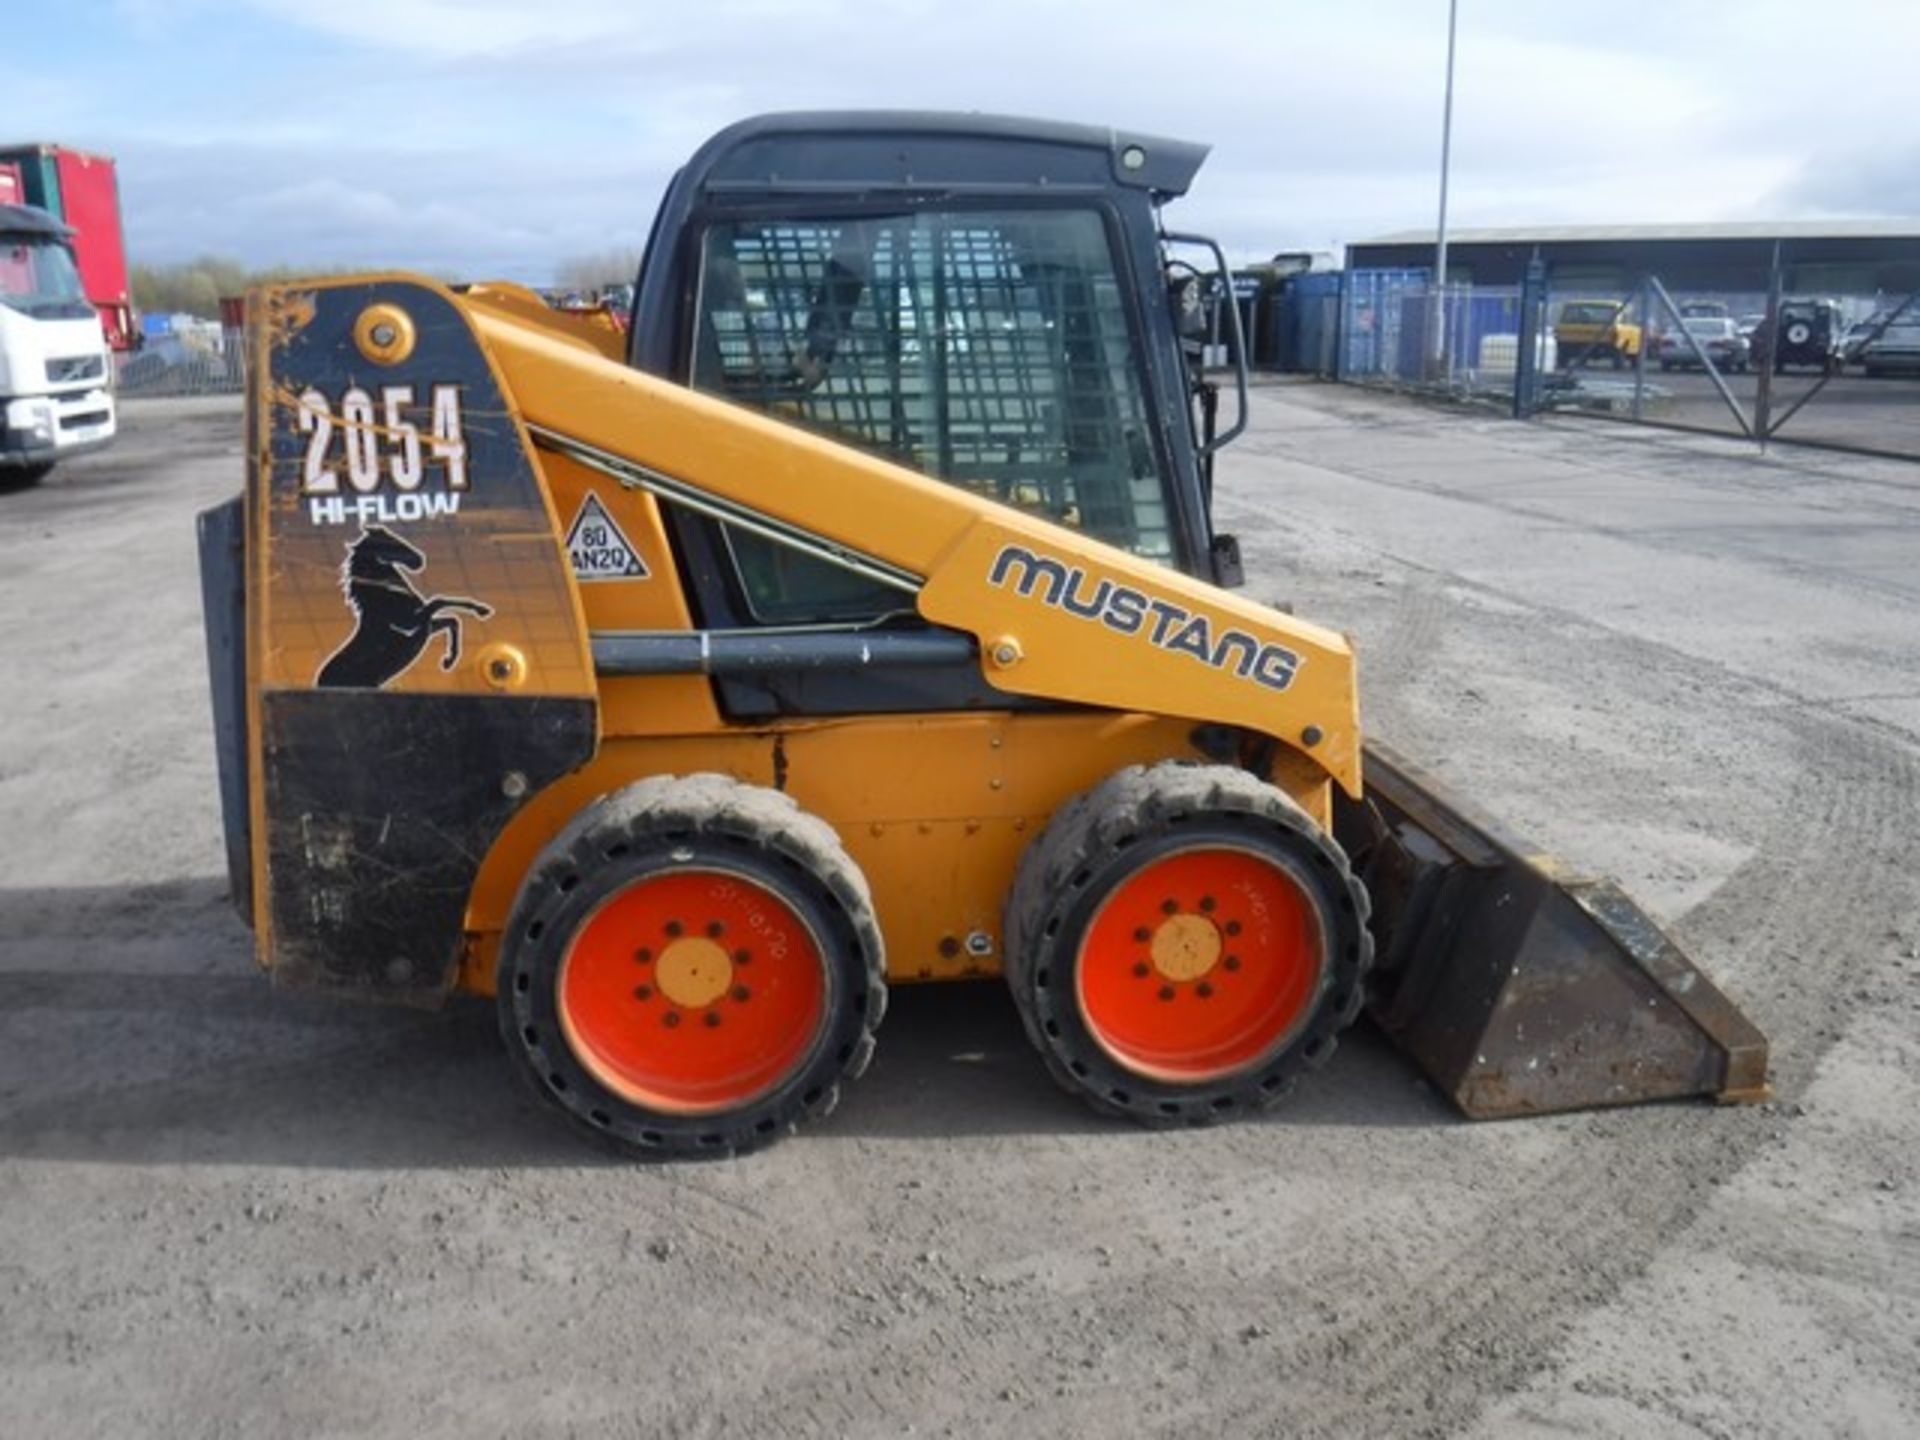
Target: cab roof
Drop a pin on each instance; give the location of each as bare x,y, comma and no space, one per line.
29,220
935,150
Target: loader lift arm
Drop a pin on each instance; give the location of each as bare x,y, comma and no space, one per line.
1052,610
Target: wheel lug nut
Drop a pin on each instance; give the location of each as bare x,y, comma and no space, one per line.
1232,927
741,993
1203,989
741,957
675,928
1169,907
1209,904
643,992
715,929
1232,962
713,1018
1140,968
1166,992
643,955
1142,934
670,1019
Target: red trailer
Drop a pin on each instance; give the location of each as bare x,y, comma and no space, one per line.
83,191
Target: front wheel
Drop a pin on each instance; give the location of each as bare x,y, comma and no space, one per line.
24,477
693,967
1183,942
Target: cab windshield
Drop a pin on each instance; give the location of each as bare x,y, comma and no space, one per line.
38,278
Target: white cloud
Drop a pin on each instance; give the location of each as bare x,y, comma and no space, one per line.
457,27
505,135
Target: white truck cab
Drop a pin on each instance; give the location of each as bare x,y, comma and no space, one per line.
55,395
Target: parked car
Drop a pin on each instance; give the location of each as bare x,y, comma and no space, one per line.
1705,310
1897,348
1717,335
1597,329
1811,333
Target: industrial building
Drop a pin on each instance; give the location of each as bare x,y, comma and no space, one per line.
1825,257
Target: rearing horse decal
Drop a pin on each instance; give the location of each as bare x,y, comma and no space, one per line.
392,621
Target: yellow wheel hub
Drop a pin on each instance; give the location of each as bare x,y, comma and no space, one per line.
1185,947
693,972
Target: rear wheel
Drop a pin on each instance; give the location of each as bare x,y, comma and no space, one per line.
1183,942
692,967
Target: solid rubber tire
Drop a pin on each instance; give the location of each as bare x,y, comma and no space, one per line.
654,827
1089,848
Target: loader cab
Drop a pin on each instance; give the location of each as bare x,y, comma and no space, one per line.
980,299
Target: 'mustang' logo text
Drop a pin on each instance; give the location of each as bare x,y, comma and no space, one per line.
1133,612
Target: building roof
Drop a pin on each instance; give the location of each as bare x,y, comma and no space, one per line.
1880,228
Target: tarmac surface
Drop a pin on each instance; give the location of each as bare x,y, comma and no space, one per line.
231,1211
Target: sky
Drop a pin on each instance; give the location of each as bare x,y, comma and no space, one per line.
477,138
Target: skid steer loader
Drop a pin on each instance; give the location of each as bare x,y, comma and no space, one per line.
862,623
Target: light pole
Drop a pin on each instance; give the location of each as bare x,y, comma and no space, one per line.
1439,346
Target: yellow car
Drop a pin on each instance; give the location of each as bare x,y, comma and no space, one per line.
1595,329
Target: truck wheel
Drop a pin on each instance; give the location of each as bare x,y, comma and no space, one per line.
1183,942
692,967
24,477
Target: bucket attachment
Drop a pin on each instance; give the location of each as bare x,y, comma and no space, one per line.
1520,990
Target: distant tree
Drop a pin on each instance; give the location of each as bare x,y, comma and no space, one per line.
196,287
596,272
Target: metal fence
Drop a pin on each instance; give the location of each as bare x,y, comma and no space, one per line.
1839,370
207,360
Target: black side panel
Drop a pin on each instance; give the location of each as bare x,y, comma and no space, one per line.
382,806
223,604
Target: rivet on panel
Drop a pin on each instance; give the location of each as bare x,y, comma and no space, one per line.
503,667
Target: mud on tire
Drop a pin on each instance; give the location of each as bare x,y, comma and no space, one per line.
692,967
1115,894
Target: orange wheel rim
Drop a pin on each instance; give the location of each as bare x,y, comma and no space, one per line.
1201,964
693,992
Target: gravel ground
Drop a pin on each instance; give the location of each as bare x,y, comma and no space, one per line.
235,1212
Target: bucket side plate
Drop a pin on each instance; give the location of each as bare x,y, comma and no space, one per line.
1518,989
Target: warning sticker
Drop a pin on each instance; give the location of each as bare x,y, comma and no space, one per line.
597,548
